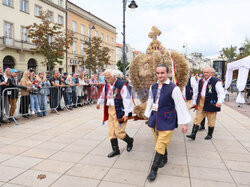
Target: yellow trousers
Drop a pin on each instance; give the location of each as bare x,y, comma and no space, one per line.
200,115
116,130
162,140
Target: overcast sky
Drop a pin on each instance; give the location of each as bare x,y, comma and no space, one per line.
204,25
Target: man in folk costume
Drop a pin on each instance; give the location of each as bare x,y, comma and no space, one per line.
165,109
189,97
202,125
188,91
117,105
208,98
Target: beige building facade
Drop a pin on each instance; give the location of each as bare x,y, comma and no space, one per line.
15,46
81,23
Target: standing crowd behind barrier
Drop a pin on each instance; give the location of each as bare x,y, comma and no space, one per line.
33,93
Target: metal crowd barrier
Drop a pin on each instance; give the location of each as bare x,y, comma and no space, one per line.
15,102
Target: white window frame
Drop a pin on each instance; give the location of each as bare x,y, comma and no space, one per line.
107,39
60,18
35,12
111,56
24,8
24,34
102,36
82,29
8,3
8,35
74,27
82,49
112,41
96,33
60,3
50,39
89,32
51,16
74,48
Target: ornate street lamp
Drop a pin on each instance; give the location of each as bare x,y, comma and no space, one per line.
90,55
241,50
221,54
132,5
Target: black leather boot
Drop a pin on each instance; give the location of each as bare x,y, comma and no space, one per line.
129,141
202,125
194,131
164,159
155,166
210,133
115,147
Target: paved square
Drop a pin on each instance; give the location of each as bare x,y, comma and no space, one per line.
71,150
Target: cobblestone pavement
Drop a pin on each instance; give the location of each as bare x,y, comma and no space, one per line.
71,148
244,109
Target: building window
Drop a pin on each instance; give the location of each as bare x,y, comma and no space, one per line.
107,39
51,16
82,49
74,48
112,41
102,36
111,56
38,10
50,39
82,29
74,26
60,2
24,5
89,32
8,2
8,33
96,33
24,34
60,20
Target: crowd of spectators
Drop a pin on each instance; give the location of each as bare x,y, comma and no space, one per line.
38,93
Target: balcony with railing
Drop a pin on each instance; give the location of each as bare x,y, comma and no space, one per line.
6,42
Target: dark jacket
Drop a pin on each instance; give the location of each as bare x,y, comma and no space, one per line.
13,84
3,86
211,97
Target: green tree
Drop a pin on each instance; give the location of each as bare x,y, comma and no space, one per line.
50,40
98,54
246,47
227,52
119,65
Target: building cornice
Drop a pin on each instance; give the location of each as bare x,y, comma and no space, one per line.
54,5
90,17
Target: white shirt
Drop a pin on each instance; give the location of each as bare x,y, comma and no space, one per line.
218,87
180,105
126,98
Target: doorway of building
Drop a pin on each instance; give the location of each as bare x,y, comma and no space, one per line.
32,64
73,69
8,62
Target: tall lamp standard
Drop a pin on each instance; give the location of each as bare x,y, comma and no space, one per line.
132,5
241,50
90,51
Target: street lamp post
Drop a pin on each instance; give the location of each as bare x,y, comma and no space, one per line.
90,51
132,5
241,50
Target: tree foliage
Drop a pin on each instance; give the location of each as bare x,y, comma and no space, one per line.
50,39
97,55
246,47
119,65
227,52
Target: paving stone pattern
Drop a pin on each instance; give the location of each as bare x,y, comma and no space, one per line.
71,150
